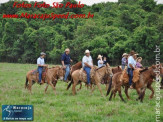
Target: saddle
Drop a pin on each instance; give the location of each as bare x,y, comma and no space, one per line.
35,72
125,77
83,74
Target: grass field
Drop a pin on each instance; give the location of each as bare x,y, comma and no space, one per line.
83,107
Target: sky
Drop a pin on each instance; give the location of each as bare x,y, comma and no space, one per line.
87,2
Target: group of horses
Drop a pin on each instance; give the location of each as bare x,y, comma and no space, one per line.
110,76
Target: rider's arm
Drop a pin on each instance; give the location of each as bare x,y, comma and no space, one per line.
63,63
86,64
131,66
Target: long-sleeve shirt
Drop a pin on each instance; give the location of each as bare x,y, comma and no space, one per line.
124,61
138,65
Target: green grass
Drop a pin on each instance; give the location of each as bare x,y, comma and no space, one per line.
83,107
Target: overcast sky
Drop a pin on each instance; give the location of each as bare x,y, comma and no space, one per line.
87,2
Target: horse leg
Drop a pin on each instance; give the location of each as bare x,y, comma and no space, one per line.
120,94
111,95
93,88
46,87
80,87
107,85
73,87
30,86
143,94
53,87
115,93
99,87
126,92
139,94
55,83
150,87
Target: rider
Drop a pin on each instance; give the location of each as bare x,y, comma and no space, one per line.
131,66
100,61
65,59
87,64
124,60
41,64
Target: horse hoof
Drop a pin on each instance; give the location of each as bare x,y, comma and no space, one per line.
150,98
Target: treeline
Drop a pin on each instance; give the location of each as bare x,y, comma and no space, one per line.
116,28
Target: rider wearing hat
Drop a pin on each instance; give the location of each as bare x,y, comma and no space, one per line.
100,61
41,64
65,60
87,64
124,60
131,66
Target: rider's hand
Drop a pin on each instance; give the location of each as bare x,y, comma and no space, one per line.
71,60
64,67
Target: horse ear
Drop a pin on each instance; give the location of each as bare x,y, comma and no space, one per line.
153,66
107,65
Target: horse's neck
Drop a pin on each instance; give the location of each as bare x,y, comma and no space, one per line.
102,71
147,74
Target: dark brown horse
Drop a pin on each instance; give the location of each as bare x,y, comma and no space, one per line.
145,78
108,78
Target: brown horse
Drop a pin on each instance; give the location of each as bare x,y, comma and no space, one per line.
73,68
108,78
51,76
116,69
145,78
96,77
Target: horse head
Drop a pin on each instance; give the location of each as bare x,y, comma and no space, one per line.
109,70
60,73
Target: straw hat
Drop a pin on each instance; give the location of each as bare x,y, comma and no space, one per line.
87,51
67,50
124,54
132,52
99,56
139,58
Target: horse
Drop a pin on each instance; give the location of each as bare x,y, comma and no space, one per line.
108,78
96,76
50,77
73,68
116,69
145,78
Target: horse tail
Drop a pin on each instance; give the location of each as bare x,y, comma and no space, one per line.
109,88
69,85
26,83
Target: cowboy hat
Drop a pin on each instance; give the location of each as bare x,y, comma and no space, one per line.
132,52
124,54
67,50
139,58
99,56
42,53
87,51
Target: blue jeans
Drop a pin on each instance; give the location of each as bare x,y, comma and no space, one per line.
67,71
88,69
123,67
40,73
130,73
